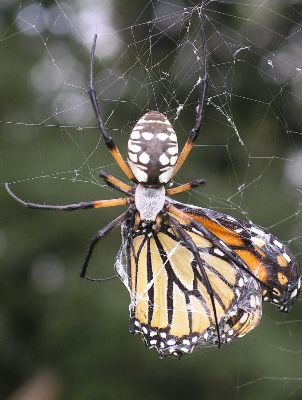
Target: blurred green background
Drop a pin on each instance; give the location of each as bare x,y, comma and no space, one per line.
63,338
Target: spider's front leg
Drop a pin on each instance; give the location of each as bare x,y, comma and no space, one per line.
108,139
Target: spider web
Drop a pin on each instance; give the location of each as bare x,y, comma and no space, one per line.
249,150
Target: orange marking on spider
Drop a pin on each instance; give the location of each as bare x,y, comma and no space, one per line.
122,163
122,201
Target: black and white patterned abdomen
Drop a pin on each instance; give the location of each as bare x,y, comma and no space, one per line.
153,149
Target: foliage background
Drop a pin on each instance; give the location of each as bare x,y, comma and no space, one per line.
63,338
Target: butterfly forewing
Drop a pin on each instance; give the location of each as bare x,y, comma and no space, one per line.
170,303
264,255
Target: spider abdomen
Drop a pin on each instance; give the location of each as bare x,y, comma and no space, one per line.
153,149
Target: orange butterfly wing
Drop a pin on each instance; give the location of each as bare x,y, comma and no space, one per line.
269,260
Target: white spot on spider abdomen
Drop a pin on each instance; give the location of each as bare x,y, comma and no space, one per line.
147,135
132,157
153,149
133,148
163,159
135,135
144,158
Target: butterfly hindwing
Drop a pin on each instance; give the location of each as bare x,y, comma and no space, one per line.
170,304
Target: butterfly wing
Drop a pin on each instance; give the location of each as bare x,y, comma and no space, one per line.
170,305
265,256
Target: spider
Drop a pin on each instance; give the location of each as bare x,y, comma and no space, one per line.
196,276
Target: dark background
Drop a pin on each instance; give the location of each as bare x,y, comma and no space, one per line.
63,338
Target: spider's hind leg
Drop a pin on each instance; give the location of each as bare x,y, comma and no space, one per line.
100,234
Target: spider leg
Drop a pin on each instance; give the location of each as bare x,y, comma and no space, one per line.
101,233
193,248
108,139
203,81
123,201
186,186
115,183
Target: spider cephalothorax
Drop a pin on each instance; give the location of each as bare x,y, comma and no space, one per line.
196,276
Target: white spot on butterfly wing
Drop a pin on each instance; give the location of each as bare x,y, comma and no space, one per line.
184,349
287,257
294,294
256,230
244,318
253,301
219,252
278,244
258,242
240,282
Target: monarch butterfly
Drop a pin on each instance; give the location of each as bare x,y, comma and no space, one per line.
195,276
201,276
